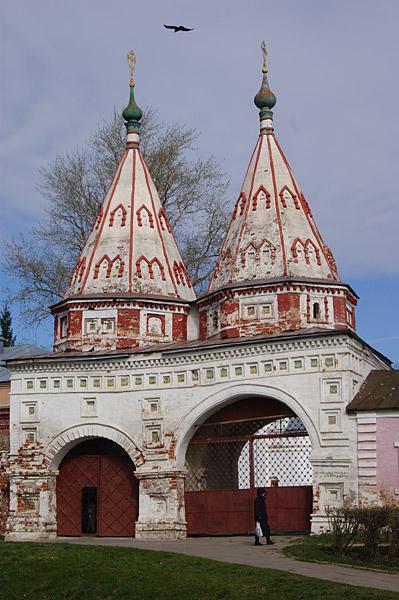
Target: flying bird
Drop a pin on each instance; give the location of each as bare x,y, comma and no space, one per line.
177,28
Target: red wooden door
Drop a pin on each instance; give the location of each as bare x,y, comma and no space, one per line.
117,494
118,498
76,472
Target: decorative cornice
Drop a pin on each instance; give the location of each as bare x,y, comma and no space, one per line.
251,288
190,356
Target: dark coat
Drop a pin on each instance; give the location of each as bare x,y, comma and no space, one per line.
260,515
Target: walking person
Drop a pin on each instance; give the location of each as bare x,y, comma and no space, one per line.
260,515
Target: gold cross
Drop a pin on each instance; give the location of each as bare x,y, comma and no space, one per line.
264,52
131,59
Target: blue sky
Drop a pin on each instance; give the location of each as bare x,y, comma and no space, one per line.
332,66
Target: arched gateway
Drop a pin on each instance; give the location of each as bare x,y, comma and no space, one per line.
256,441
97,492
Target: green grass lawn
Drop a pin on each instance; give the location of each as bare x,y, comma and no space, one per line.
316,548
31,571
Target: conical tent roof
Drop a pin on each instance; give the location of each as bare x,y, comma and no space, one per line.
272,233
131,248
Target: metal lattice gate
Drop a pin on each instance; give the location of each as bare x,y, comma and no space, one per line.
226,462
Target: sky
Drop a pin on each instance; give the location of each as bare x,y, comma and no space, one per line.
332,65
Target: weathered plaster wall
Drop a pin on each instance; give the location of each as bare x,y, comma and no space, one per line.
154,401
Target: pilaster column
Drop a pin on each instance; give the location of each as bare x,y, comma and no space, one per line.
32,514
161,505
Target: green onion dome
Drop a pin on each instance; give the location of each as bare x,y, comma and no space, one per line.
265,99
132,113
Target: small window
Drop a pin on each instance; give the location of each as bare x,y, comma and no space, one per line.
63,327
29,385
91,325
57,383
329,361
108,325
215,320
43,384
32,410
332,419
314,362
111,382
266,310
268,367
195,375
238,371
91,407
153,407
152,380
251,311
180,377
69,383
297,364
283,365
253,369
124,381
97,382
30,437
138,381
316,310
209,374
166,379
155,437
83,383
223,372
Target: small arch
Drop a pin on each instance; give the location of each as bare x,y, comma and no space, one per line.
150,265
107,264
163,220
78,272
181,274
286,193
311,251
119,209
142,215
316,311
99,218
267,252
249,255
261,194
62,443
240,204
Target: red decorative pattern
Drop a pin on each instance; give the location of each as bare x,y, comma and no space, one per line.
261,190
293,196
163,220
150,264
110,264
140,218
120,208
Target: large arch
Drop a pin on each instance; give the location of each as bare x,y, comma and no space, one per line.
186,426
240,438
61,444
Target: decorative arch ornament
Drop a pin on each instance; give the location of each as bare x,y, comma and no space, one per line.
61,444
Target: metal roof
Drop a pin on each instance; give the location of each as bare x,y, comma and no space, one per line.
380,391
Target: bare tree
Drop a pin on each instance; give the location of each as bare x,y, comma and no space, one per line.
191,189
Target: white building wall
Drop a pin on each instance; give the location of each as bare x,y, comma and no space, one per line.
150,404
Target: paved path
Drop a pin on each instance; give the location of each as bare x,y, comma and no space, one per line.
240,550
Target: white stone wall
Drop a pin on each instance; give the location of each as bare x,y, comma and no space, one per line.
150,405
